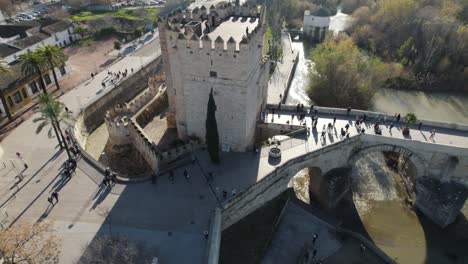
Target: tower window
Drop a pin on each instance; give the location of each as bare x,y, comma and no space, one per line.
213,74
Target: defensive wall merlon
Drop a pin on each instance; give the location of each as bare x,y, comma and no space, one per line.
444,164
186,27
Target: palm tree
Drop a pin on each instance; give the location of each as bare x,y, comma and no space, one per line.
33,64
52,113
54,57
4,71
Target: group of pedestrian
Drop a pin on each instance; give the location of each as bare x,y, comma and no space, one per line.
70,167
114,77
110,178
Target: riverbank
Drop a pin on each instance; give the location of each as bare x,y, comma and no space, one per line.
438,106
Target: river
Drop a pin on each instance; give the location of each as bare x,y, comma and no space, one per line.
378,196
438,106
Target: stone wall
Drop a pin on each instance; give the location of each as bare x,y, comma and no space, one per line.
93,113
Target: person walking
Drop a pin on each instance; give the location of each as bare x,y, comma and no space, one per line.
347,127
314,238
50,200
390,129
334,121
433,132
398,118
55,196
348,111
113,178
420,125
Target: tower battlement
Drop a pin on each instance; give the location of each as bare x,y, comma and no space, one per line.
223,28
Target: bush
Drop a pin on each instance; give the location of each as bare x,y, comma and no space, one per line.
117,45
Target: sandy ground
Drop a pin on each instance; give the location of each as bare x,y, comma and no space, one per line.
87,59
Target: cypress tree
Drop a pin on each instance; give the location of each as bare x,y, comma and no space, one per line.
212,137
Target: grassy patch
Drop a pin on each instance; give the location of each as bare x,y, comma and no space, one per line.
130,14
88,41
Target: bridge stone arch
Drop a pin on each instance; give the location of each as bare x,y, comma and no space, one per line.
419,163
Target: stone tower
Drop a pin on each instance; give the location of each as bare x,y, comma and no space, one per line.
217,48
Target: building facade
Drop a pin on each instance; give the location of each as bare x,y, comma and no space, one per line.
316,23
18,90
217,49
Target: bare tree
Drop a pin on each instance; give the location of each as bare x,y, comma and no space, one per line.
29,243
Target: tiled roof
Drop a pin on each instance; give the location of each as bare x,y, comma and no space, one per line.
8,31
56,27
7,50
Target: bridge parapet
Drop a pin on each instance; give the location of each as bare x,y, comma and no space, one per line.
371,114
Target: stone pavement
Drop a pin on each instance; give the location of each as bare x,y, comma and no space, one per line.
279,80
168,217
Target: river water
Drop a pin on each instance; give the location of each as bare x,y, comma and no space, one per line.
378,196
446,107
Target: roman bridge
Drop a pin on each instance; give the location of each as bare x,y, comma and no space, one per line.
438,168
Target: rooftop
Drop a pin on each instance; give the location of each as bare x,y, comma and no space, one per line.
319,12
6,50
233,27
8,31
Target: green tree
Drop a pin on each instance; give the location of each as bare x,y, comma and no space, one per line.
54,57
52,113
212,137
4,72
343,76
80,30
32,64
117,45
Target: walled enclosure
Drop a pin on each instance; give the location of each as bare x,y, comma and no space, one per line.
92,114
430,161
232,66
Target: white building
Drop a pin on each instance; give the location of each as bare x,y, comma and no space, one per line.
316,23
23,38
219,49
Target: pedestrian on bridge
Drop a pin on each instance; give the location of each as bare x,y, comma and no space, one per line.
334,121
433,132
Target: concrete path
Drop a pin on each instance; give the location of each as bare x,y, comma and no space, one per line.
279,80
